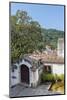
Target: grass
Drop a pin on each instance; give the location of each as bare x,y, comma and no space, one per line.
58,87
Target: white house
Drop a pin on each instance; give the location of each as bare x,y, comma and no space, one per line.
27,70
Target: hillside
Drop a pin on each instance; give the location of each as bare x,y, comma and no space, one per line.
50,37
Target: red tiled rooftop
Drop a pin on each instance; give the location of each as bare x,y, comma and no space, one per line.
48,58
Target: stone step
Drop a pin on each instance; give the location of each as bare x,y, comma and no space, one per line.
24,84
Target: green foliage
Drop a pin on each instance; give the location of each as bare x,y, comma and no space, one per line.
59,77
22,17
25,35
50,36
45,77
28,36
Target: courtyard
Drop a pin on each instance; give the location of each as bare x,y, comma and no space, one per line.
41,90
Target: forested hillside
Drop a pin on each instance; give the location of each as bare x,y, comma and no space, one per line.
50,37
28,35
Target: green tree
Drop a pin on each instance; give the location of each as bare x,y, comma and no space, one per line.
22,17
25,35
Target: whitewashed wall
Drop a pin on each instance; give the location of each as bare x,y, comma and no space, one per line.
17,74
58,69
15,81
35,78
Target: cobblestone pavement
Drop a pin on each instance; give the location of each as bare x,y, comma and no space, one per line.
20,90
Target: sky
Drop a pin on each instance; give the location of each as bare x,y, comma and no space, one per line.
48,16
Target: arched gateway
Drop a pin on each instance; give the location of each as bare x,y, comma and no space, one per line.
24,74
27,72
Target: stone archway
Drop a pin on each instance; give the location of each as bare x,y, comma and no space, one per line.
24,74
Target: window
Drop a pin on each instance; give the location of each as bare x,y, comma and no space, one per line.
47,69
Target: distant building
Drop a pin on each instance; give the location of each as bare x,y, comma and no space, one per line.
60,48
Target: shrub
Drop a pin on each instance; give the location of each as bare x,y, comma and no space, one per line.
56,77
59,77
47,77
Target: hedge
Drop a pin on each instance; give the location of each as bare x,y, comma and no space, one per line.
48,77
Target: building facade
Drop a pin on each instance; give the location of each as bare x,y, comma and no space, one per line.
28,70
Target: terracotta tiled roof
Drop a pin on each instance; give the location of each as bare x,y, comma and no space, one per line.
48,58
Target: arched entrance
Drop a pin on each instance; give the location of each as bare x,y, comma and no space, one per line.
24,74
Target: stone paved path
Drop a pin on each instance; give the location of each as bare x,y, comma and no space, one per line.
20,90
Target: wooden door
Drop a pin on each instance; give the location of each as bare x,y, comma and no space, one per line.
24,74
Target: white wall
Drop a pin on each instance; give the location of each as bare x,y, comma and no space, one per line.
17,74
58,69
35,78
15,81
60,49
